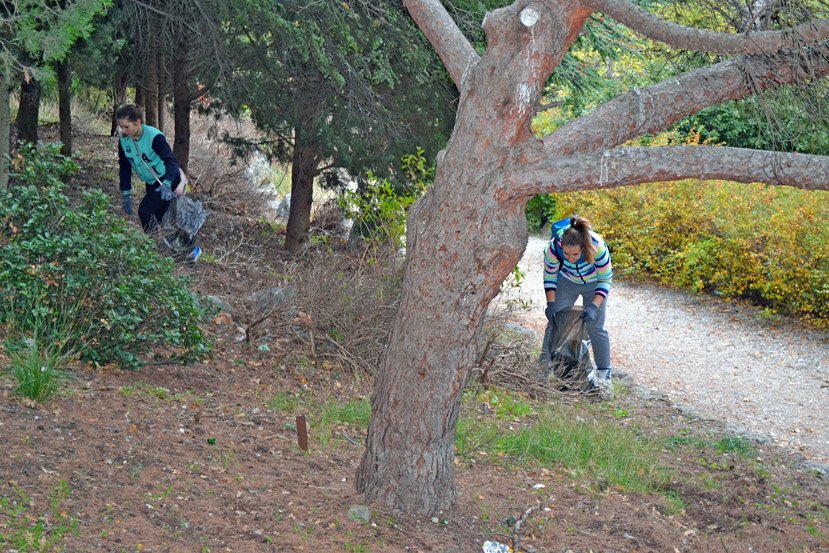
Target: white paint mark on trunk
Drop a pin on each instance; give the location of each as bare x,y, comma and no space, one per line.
529,17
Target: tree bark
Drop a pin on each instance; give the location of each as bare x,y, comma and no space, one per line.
149,85
119,97
5,128
28,111
64,76
304,167
181,103
463,239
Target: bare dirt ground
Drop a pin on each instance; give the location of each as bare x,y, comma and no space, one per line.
199,458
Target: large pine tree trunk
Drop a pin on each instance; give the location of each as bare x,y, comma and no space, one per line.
463,239
181,103
64,76
461,245
303,170
29,110
5,128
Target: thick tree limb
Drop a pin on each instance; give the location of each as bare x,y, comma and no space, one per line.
656,108
699,40
444,35
533,172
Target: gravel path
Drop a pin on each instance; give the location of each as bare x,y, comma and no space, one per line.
712,358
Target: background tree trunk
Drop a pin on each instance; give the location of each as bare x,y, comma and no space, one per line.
64,76
29,110
181,102
149,84
303,170
162,110
5,129
119,98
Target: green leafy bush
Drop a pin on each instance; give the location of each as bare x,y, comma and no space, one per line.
59,257
539,210
768,244
379,209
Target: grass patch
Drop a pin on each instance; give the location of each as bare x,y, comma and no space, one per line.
36,369
591,448
23,531
284,402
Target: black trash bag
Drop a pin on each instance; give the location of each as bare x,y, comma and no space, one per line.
181,222
565,351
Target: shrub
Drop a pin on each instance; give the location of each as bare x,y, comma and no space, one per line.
768,244
379,209
57,256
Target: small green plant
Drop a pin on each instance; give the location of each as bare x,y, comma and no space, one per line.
505,404
228,458
674,504
38,370
331,414
24,532
283,401
735,444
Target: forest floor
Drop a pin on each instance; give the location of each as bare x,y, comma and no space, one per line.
202,458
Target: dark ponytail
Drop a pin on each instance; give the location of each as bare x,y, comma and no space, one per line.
579,235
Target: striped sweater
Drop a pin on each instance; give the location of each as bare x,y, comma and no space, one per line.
580,272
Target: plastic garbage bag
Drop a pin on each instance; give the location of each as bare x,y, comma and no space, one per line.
496,547
181,222
565,351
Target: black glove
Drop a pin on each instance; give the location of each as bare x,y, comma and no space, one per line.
126,201
550,311
590,313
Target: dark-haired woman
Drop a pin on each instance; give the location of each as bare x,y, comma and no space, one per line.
577,263
144,149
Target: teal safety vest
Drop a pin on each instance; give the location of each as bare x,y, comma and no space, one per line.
142,149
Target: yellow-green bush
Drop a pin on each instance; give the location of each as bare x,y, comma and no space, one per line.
766,243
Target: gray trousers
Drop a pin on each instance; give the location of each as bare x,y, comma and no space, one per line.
566,295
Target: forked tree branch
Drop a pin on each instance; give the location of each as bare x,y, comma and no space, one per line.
446,38
655,108
699,40
533,172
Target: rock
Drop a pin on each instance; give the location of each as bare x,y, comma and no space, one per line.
284,207
359,513
272,298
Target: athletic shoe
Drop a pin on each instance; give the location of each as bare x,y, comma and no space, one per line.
602,387
193,256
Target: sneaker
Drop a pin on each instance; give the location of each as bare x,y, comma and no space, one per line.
601,387
605,388
193,256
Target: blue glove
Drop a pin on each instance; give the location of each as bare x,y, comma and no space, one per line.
590,313
166,192
126,201
549,311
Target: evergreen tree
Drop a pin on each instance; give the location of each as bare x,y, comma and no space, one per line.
334,85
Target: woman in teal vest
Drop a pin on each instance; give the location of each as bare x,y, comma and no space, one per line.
144,149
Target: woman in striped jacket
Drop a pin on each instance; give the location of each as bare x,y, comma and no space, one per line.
577,263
